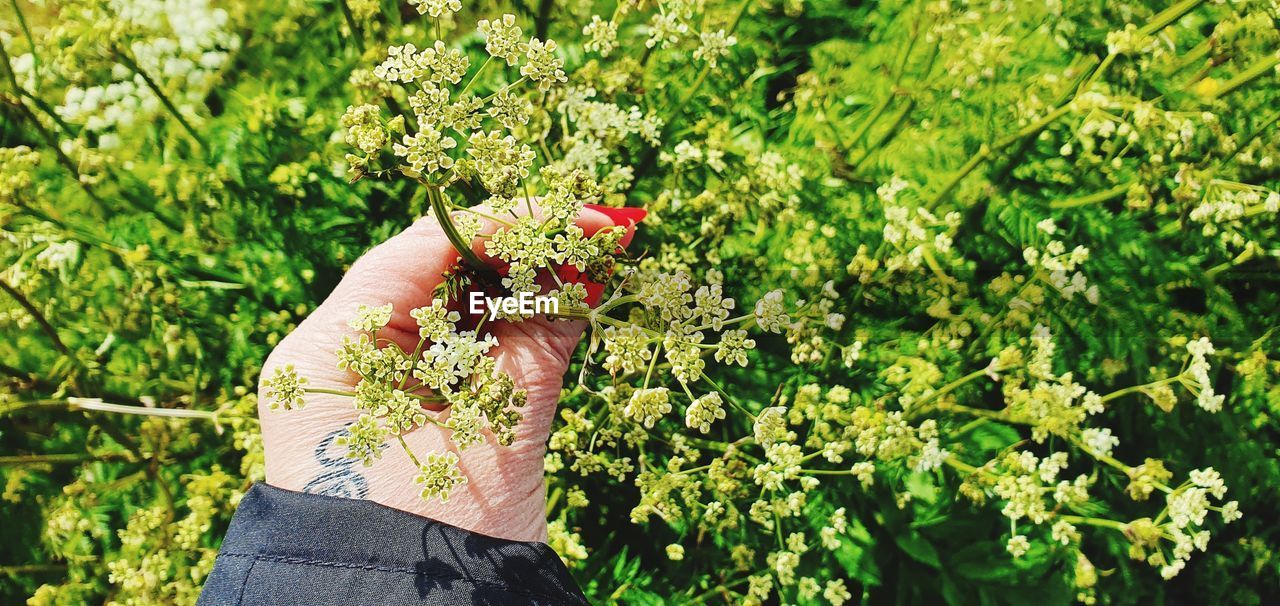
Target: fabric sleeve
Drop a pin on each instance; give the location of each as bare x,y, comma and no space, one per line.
286,547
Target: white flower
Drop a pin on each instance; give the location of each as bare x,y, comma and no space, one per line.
435,321
1188,506
1018,545
1099,442
714,45
865,472
770,426
1063,532
509,110
1092,403
1172,570
646,406
1198,370
439,475
932,456
427,151
704,411
602,36
836,593
399,65
1231,512
771,313
665,29
1210,479
502,38
542,66
370,319
436,8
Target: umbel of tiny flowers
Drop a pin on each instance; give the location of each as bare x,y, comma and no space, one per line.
452,134
448,367
285,388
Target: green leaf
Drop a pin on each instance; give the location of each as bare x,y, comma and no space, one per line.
918,547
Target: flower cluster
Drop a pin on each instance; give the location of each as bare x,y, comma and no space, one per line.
447,367
173,51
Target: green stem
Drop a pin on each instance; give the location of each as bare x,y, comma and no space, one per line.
1248,253
1100,522
608,305
1108,459
39,317
706,69
351,22
948,388
405,445
1254,72
986,152
40,459
22,22
175,413
413,359
512,84
1138,388
1093,198
826,472
60,458
502,222
718,590
440,207
1264,125
981,413
24,569
728,398
870,121
1169,15
1097,73
888,134
476,76
657,350
332,392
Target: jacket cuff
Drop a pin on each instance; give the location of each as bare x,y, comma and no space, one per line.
273,525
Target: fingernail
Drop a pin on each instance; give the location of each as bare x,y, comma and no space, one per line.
620,216
625,217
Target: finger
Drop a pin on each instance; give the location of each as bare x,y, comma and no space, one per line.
624,217
591,219
555,340
406,269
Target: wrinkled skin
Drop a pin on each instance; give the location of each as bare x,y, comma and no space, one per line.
505,492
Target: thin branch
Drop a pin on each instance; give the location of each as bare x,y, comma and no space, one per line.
39,317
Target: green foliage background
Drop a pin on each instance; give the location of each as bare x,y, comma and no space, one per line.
189,260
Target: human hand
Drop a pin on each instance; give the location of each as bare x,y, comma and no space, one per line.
505,492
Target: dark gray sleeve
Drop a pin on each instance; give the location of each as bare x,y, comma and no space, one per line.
287,547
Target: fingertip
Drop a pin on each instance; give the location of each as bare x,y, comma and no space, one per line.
627,217
592,220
